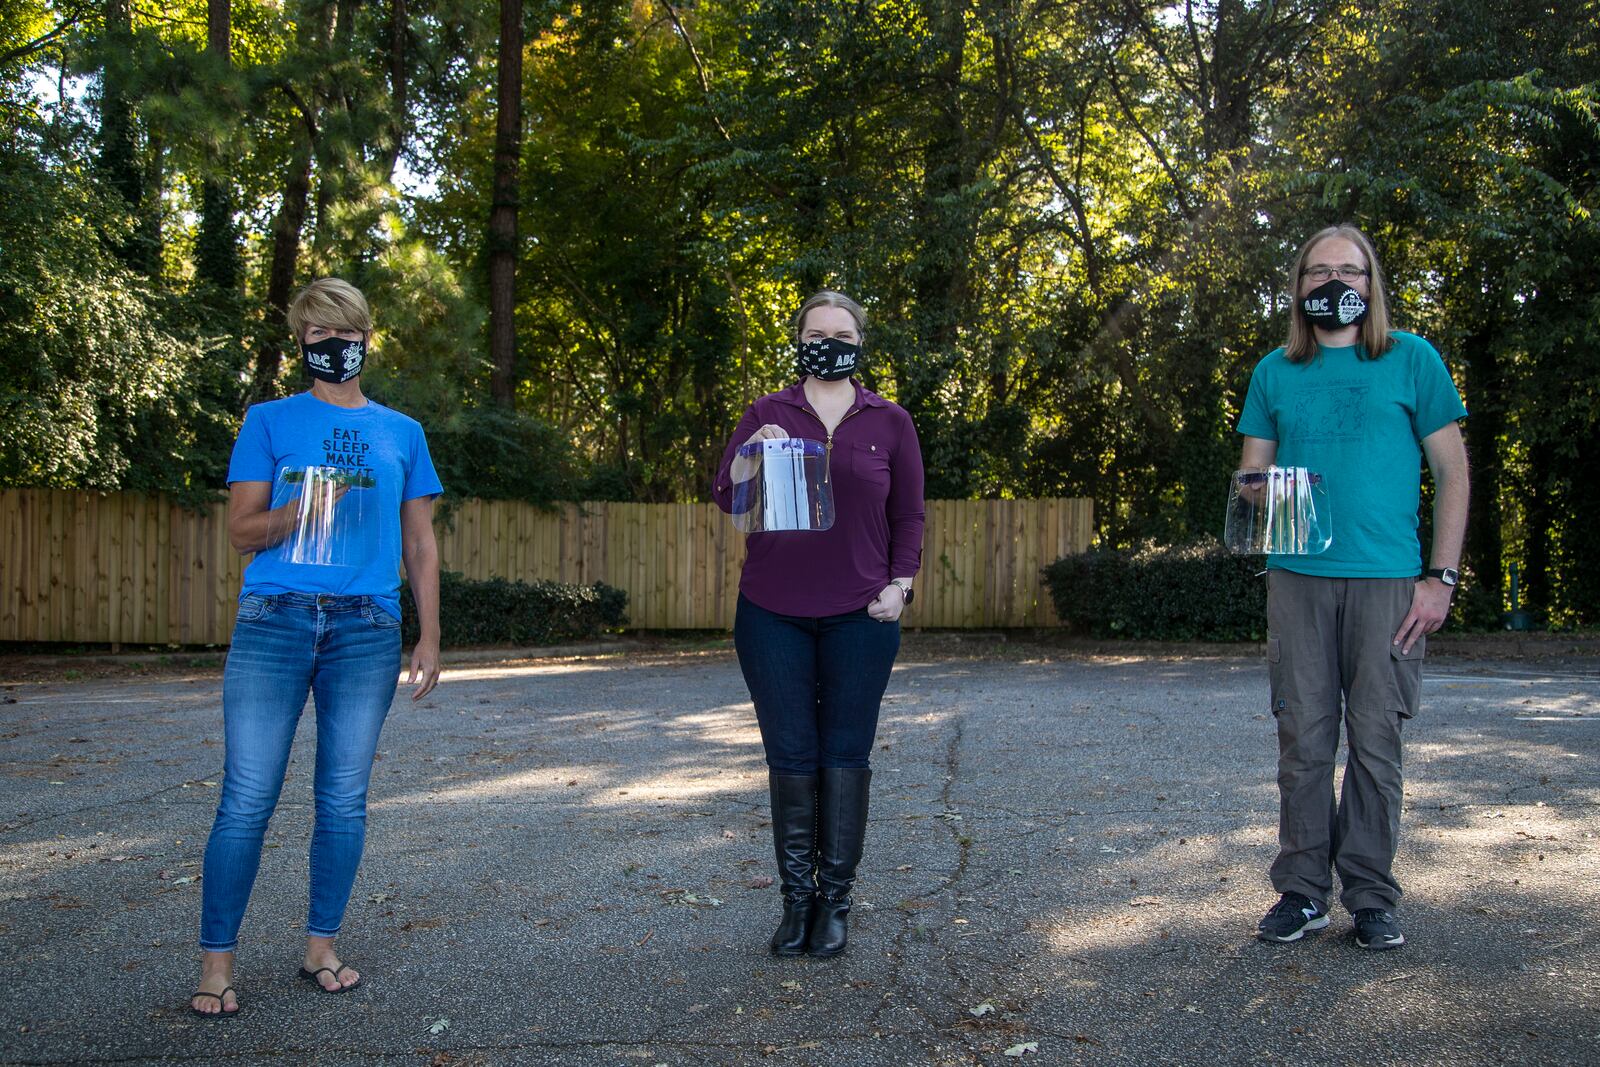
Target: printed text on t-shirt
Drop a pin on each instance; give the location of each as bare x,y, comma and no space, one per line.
346,448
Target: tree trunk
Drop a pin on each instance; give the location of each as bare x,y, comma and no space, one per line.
1579,593
119,150
939,270
217,243
940,279
1483,541
316,29
338,161
399,88
1540,517
1226,122
503,212
286,229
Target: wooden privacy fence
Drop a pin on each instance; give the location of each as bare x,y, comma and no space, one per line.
119,567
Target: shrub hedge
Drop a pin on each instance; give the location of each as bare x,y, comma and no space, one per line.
498,611
1198,591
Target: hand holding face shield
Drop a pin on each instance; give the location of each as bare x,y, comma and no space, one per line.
1281,511
782,484
323,528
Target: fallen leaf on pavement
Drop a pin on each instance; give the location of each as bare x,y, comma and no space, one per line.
1019,1050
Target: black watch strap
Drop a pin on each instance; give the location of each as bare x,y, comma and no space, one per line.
1448,575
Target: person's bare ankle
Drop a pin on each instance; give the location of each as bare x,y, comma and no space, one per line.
216,976
319,954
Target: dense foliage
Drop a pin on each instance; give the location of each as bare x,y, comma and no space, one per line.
498,612
1190,592
1068,221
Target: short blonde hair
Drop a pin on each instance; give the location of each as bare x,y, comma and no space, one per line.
332,303
828,298
1375,336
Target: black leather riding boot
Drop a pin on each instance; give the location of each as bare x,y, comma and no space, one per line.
794,837
841,833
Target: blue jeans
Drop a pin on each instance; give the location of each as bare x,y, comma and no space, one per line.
817,683
346,651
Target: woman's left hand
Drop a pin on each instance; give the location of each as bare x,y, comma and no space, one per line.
424,668
890,603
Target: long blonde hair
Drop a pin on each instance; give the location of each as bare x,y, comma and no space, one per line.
1375,337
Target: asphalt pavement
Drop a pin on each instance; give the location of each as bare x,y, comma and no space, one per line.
568,862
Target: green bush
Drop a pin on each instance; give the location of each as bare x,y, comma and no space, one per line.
1198,591
520,613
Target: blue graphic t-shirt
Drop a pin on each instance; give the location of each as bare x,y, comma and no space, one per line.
1359,423
347,471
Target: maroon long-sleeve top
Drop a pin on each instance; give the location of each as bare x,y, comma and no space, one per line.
875,465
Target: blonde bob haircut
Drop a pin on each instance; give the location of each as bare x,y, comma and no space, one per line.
1375,338
828,298
331,303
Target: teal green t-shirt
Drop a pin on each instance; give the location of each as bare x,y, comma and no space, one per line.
1359,423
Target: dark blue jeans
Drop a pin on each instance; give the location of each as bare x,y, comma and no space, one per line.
816,683
346,651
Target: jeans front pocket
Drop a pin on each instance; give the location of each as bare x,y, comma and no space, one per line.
377,618
253,607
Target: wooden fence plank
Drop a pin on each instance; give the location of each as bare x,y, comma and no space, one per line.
11,554
15,583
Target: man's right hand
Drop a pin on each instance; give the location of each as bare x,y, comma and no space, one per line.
1252,485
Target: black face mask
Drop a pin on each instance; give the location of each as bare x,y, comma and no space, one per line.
827,360
334,359
1334,305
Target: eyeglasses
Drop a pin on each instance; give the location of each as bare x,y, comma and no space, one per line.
1346,273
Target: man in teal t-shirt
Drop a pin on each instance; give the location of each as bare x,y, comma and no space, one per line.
1360,404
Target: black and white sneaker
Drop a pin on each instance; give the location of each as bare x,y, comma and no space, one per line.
1291,918
1377,930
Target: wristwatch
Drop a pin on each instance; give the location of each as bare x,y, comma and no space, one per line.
906,592
1448,575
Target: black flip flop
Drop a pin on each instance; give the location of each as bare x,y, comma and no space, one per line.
311,976
222,1005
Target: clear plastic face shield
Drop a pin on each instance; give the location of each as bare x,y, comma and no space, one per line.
1279,510
781,484
332,524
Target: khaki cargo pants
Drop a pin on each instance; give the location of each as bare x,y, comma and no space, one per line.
1331,655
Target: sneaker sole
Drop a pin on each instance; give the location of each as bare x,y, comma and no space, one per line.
1319,923
1381,946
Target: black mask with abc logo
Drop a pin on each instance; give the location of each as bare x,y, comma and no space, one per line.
1334,305
828,359
333,359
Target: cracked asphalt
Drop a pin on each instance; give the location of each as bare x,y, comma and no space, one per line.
566,864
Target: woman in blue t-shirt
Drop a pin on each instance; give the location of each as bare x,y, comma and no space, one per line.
330,491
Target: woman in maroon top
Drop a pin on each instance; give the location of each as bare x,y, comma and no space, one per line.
817,627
